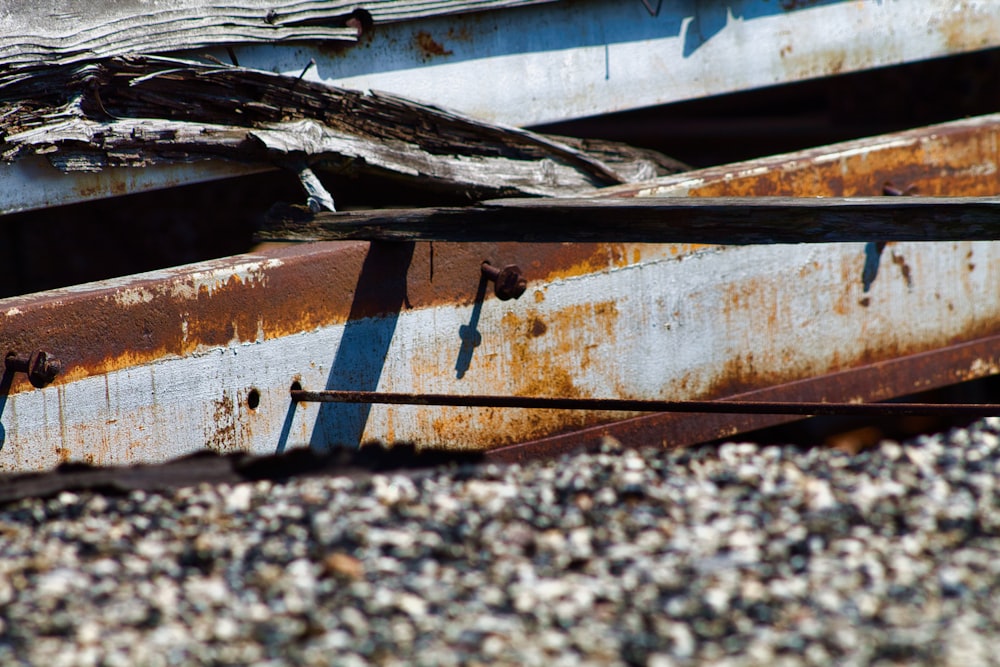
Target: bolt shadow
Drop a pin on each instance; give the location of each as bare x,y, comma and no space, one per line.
286,427
5,382
379,298
469,333
873,257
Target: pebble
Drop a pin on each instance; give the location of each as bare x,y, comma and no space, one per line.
734,555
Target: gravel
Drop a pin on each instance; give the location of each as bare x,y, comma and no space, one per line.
733,555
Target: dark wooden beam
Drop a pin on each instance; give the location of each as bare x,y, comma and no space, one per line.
724,220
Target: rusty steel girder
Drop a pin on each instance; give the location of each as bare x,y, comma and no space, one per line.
161,364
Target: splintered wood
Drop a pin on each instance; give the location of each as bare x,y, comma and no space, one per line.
141,110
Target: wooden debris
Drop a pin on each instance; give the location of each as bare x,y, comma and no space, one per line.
142,110
723,220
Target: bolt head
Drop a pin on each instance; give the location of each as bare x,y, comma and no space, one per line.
42,370
510,284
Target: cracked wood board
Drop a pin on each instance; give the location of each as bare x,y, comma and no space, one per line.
142,111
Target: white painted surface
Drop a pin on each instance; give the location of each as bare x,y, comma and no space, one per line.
556,61
33,183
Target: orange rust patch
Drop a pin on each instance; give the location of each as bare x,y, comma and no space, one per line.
545,365
428,46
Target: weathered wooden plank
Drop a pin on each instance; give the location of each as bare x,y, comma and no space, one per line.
141,111
723,220
52,31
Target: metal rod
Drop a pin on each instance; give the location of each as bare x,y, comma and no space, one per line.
637,405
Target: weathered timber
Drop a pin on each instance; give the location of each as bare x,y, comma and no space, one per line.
46,32
722,220
139,111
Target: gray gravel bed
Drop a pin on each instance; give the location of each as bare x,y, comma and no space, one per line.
737,555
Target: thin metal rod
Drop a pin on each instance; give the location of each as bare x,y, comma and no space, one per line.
635,405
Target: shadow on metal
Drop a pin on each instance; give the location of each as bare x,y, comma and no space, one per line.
469,333
364,344
873,256
286,426
5,381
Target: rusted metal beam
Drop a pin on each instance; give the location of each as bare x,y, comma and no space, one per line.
721,220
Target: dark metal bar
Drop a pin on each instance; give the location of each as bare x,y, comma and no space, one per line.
637,405
722,220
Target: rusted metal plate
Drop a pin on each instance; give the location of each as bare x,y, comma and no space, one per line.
161,364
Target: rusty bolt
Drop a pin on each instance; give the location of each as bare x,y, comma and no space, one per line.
41,369
508,282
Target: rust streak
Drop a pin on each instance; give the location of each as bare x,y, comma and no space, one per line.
429,47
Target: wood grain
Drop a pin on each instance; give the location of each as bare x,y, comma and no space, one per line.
138,111
725,220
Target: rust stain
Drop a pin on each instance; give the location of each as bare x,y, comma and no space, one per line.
958,28
904,268
221,432
547,365
428,46
537,328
